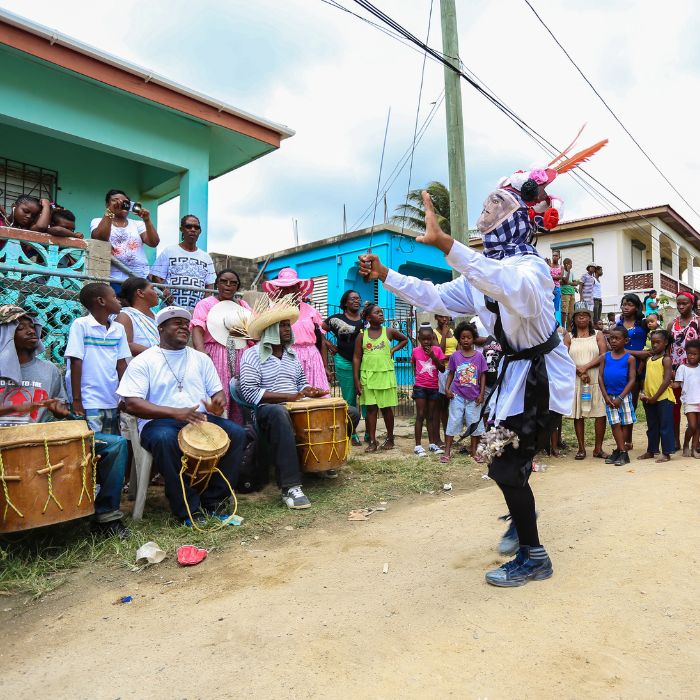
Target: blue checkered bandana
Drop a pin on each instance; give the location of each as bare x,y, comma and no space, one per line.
513,236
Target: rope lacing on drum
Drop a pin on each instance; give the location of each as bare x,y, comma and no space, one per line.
87,459
6,493
49,479
309,444
193,482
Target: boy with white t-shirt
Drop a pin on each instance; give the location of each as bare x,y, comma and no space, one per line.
96,356
688,380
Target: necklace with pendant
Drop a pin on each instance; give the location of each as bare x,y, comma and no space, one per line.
178,380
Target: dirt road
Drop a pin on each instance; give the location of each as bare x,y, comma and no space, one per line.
315,616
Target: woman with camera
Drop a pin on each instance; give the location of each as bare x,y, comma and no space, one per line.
127,236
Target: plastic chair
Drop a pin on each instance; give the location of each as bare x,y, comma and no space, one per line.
143,461
248,408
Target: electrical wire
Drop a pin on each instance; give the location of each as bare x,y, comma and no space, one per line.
521,123
607,106
415,125
402,162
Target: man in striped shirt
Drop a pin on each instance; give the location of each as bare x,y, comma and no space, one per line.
586,284
270,376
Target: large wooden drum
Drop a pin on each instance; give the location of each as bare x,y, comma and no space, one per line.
320,427
203,445
47,474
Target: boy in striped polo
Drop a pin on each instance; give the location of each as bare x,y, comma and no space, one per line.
96,356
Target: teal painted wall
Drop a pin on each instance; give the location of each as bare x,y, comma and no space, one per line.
152,152
84,175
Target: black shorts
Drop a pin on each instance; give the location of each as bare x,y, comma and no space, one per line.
421,392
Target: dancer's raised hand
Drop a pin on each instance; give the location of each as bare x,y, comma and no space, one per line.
434,235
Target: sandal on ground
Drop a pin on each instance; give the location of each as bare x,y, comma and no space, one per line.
372,447
444,459
581,454
601,455
387,445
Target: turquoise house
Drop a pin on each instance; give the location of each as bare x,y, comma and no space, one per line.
76,121
332,264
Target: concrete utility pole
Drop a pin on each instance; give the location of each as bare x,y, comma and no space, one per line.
455,125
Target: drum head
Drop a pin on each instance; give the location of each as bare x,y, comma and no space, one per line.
312,404
203,440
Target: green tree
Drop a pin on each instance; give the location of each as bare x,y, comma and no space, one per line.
412,213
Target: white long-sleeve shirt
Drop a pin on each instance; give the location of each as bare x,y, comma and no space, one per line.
522,285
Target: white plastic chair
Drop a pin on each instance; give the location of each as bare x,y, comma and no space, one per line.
143,460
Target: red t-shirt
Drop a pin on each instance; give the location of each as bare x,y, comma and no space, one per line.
426,371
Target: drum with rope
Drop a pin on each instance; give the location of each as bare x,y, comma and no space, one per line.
321,430
47,474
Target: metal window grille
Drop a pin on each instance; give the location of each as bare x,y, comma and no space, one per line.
21,178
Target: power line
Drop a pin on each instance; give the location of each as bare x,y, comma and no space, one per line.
420,95
607,106
402,162
529,131
522,124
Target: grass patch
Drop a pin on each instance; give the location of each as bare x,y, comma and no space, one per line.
37,562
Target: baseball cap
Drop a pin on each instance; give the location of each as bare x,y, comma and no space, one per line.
172,312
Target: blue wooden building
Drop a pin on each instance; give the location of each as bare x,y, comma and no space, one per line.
332,264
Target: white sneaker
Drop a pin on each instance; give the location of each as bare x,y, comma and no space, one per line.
436,449
294,498
419,451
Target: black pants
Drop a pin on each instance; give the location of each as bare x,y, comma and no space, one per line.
511,471
277,441
159,437
276,436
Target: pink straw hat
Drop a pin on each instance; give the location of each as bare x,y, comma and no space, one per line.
288,277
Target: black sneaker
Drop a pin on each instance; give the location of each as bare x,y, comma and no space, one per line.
520,570
199,519
614,455
622,458
114,528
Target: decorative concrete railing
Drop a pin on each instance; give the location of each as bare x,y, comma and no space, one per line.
638,280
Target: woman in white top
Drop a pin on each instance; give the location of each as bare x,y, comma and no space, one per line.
127,236
137,318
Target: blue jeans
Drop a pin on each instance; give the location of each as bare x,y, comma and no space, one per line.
557,304
103,420
111,468
660,426
159,437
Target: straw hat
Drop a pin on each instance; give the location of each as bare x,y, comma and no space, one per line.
227,316
288,277
266,313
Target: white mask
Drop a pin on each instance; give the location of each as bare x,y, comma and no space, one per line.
498,206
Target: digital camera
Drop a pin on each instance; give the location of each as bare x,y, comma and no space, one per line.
134,207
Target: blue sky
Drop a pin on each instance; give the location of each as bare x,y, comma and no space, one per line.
332,78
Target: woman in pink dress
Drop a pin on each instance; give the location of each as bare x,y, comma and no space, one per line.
227,283
314,363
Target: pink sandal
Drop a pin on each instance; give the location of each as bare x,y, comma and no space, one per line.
444,459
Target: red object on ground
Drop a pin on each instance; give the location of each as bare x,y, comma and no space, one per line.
189,555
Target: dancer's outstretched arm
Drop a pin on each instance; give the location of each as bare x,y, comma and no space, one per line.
521,293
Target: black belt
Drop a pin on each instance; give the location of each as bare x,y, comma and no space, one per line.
536,398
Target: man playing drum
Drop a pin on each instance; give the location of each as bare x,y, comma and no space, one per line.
272,375
168,387
31,391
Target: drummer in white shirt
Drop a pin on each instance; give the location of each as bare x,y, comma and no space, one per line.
167,387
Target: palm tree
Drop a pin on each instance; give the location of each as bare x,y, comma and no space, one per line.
412,213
